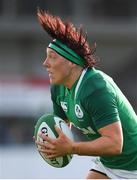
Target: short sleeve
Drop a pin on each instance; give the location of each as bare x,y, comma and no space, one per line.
102,107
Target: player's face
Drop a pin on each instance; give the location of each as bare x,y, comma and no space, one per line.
59,69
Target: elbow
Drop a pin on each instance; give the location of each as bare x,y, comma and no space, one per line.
117,145
117,148
115,151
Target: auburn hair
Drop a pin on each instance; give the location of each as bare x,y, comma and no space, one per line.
67,33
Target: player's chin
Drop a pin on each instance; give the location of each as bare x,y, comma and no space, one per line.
54,82
51,81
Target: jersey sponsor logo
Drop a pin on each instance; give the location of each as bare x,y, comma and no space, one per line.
78,111
64,106
88,130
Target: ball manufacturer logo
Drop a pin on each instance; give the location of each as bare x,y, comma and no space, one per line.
78,111
44,130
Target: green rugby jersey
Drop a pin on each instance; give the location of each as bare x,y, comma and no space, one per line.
93,102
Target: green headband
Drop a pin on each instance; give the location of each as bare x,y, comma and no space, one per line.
66,52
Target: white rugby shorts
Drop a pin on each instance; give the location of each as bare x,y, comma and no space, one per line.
113,173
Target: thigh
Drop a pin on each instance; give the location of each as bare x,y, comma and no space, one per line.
96,175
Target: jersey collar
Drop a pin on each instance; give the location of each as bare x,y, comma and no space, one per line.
79,82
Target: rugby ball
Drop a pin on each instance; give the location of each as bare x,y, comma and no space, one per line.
46,124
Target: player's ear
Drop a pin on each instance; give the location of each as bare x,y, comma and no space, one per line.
71,64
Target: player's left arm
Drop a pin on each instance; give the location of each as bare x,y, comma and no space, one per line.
110,142
102,106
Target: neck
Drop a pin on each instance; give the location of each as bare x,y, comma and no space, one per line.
74,75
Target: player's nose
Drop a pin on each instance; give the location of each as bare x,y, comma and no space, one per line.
46,63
